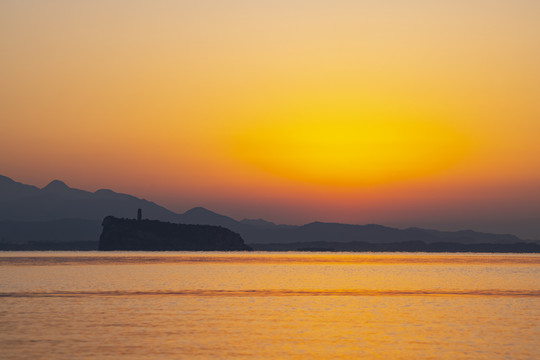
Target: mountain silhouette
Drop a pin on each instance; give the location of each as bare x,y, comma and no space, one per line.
20,202
56,186
202,216
261,223
59,213
10,189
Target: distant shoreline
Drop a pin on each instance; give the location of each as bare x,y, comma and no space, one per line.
411,246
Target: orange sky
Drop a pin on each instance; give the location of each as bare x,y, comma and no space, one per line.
418,113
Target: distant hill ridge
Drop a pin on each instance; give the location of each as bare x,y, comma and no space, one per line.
28,213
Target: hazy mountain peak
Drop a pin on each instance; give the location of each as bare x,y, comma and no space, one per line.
104,192
5,180
200,215
59,201
11,190
258,223
56,185
199,211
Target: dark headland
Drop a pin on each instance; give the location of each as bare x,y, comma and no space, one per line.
154,235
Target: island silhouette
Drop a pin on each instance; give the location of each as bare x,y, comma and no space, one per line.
154,235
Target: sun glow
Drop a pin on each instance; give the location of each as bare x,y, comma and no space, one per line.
350,153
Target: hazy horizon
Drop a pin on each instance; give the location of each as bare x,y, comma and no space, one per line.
255,217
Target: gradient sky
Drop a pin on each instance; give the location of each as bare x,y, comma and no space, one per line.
404,113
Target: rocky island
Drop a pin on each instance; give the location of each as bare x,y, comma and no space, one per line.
154,235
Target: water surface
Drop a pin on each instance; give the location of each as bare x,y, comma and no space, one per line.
61,305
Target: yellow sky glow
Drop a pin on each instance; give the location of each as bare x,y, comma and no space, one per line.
365,152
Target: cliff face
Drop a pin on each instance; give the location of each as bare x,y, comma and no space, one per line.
153,235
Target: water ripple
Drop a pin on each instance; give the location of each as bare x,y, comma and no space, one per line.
274,292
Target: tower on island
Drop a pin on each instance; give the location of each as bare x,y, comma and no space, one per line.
139,214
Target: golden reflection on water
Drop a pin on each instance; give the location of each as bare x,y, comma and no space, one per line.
269,306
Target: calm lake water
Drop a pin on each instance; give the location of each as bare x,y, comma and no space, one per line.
70,305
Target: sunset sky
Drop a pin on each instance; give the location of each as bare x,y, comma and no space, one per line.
403,113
